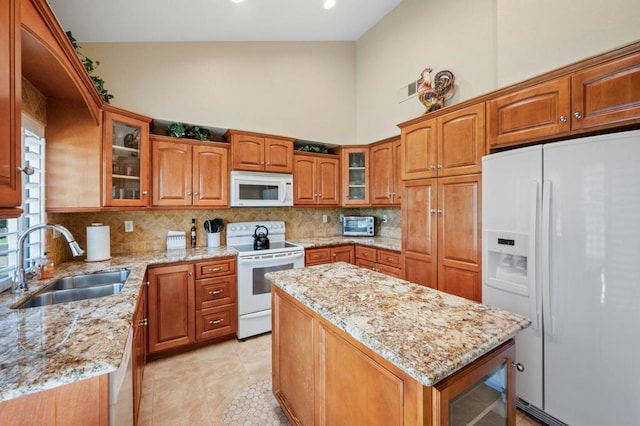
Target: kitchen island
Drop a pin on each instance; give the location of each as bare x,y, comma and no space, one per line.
353,346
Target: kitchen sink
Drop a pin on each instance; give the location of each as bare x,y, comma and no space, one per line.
78,287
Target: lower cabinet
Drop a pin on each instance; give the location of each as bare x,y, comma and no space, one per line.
380,260
139,355
318,256
321,376
192,302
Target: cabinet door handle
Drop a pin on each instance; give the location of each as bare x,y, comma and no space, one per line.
334,255
214,292
268,164
563,119
190,273
388,259
219,268
439,211
27,170
188,193
195,193
214,322
518,366
320,195
147,283
577,115
145,193
432,211
143,323
432,167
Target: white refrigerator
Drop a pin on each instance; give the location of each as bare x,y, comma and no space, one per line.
561,228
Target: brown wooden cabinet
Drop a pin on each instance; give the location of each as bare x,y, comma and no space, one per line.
171,307
321,375
216,298
139,353
316,179
591,98
441,234
355,175
258,152
380,260
187,173
192,302
448,145
125,167
10,110
386,172
320,255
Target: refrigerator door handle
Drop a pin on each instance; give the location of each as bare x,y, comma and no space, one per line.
534,308
545,254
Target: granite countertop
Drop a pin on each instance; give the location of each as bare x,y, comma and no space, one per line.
376,242
426,333
44,347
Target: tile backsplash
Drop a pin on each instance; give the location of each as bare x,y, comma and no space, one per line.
150,227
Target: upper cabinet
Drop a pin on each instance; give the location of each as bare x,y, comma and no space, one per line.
188,173
448,145
316,179
10,109
386,172
126,159
590,98
355,175
260,153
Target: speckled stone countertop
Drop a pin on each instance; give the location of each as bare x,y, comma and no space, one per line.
426,333
44,347
376,242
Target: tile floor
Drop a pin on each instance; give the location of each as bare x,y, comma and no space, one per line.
195,388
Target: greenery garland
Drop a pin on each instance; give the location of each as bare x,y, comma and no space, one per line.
91,66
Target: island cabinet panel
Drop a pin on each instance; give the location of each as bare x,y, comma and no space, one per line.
171,307
293,360
529,114
379,260
354,388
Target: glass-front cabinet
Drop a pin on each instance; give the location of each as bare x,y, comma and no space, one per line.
483,395
126,159
355,175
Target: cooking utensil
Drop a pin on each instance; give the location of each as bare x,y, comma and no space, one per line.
213,225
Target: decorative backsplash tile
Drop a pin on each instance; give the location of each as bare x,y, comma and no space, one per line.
150,227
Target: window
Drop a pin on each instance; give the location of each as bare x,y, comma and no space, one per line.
33,148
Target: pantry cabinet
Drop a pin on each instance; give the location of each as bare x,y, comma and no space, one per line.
447,145
316,179
125,159
187,173
320,255
441,236
386,172
258,152
591,98
10,111
355,175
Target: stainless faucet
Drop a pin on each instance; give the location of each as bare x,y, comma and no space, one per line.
20,283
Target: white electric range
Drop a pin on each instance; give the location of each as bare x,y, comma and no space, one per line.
254,293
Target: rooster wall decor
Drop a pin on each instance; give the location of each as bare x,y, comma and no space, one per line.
433,93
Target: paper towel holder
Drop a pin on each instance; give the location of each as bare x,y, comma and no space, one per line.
95,254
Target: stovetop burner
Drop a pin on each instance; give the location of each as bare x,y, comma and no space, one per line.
278,245
240,237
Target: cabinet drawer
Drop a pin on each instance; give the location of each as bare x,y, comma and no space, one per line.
216,268
317,256
367,253
390,270
212,292
216,322
389,258
366,264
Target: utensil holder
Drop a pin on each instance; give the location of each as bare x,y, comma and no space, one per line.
213,239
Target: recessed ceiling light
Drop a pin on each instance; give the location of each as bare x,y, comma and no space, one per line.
237,1
328,4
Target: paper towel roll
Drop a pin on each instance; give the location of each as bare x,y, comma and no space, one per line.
98,242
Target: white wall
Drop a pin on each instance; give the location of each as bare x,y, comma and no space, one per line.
299,89
457,35
535,37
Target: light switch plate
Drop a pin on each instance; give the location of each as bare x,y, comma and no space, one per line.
128,226
325,219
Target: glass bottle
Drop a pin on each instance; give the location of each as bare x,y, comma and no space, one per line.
193,233
46,270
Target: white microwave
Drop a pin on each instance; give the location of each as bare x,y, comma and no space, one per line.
255,189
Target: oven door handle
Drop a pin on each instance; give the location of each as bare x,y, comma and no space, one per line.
257,261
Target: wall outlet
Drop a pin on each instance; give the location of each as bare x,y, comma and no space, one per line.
341,218
325,219
384,218
128,226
